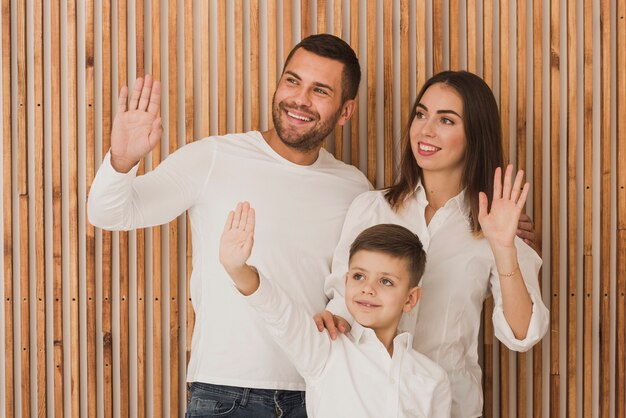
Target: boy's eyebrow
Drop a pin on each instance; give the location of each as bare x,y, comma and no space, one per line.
439,111
317,83
383,273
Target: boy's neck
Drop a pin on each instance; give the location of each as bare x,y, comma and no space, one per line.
386,337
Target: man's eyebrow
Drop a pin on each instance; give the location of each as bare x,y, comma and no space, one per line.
317,83
440,111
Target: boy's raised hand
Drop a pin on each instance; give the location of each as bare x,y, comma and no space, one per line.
238,237
137,127
500,224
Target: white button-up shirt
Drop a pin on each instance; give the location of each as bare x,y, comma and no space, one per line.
460,274
353,376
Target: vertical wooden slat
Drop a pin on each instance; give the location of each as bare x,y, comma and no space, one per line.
620,273
157,271
107,342
22,190
124,365
521,164
454,25
437,37
555,203
420,45
254,66
337,29
271,58
588,338
387,94
140,237
57,250
572,286
488,376
189,137
321,16
221,68
238,66
371,91
287,28
488,43
405,103
90,247
504,73
172,78
537,105
305,20
7,201
40,292
205,66
472,56
604,377
354,122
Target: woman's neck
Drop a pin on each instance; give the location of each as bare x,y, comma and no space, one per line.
440,187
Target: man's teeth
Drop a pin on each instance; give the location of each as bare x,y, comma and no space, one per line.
302,118
428,148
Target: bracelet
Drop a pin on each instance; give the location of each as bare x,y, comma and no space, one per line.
509,274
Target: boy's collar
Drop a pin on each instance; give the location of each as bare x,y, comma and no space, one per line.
363,334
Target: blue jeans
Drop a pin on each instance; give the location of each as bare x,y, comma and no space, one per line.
208,400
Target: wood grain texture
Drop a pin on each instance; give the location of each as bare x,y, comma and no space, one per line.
255,117
371,92
555,203
205,83
388,167
537,186
472,31
454,32
337,31
238,65
305,18
405,100
222,110
488,43
271,58
488,356
7,205
354,121
57,247
437,36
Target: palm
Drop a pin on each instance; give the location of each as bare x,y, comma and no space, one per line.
238,237
499,224
136,127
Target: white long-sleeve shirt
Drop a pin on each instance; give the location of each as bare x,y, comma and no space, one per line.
302,208
460,274
353,376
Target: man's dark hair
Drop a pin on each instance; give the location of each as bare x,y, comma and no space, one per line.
396,241
335,48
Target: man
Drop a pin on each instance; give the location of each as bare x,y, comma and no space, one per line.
298,188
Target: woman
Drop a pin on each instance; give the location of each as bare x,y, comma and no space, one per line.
450,192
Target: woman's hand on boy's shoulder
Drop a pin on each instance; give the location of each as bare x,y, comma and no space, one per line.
332,323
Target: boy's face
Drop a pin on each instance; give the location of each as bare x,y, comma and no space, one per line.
377,290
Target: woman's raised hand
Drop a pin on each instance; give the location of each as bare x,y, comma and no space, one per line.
499,224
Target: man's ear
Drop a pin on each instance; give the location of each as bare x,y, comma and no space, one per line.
346,111
412,298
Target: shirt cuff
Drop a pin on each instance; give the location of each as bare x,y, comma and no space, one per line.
536,328
116,174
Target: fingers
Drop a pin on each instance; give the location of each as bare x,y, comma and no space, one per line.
155,98
134,96
155,133
342,325
145,93
522,199
497,184
506,184
121,100
251,221
237,217
517,186
483,204
325,320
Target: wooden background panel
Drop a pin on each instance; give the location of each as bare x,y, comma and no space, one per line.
497,40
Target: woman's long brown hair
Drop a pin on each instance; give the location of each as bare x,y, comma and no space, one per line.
483,152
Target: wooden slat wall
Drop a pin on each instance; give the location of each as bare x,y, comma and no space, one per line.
502,41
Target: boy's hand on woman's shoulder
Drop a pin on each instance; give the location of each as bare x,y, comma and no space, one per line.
332,323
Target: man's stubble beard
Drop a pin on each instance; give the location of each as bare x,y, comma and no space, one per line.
311,139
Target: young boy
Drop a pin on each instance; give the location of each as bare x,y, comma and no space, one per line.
370,371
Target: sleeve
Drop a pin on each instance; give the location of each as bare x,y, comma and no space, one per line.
123,201
291,327
360,216
530,265
442,399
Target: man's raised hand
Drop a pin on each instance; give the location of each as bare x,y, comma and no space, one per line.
137,127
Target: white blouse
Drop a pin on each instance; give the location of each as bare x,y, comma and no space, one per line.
460,274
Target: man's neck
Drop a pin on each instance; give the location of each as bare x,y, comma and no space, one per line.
290,154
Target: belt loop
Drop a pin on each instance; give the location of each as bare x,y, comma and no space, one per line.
244,396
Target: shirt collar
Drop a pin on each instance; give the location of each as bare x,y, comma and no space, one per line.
362,334
457,201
